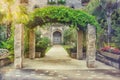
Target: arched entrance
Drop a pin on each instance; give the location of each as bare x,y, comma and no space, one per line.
40,17
57,37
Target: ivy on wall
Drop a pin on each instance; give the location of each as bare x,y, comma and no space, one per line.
61,14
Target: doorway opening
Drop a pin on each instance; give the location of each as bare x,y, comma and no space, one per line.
57,37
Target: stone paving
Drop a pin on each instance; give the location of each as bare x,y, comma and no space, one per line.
57,58
32,74
57,65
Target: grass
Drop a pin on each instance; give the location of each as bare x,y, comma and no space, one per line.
67,46
48,48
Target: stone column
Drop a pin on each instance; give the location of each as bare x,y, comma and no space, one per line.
79,45
32,44
91,46
18,45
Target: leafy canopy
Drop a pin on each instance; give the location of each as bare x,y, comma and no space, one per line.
61,14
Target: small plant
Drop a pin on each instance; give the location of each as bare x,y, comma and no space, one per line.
42,45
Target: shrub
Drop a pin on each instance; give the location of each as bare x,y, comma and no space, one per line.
42,45
9,43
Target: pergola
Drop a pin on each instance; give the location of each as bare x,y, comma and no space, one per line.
61,15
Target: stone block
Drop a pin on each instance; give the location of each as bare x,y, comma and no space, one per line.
91,46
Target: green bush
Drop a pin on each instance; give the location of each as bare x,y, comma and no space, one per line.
70,36
9,43
42,45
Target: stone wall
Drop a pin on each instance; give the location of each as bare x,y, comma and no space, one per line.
4,60
109,58
75,3
42,3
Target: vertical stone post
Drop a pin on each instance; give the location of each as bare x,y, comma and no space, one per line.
79,45
91,46
32,44
18,46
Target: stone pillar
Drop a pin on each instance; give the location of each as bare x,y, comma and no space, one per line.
18,46
32,44
79,45
91,46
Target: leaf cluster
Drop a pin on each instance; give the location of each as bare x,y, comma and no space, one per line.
61,14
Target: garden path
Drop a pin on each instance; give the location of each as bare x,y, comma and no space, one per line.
58,58
57,65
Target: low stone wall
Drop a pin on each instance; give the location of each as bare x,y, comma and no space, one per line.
109,58
4,60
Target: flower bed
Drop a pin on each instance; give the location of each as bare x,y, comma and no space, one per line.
111,50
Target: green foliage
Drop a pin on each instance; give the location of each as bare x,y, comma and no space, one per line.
26,40
61,14
21,14
42,45
70,49
100,8
116,28
3,36
92,6
70,35
1,16
9,43
37,35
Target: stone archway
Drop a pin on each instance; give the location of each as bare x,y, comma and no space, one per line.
19,45
91,34
57,37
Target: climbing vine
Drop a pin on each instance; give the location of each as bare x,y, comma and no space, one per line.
61,14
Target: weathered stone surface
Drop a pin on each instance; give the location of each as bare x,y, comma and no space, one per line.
18,45
91,46
32,44
4,53
37,54
42,3
109,58
80,45
4,62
